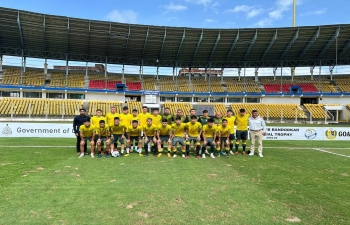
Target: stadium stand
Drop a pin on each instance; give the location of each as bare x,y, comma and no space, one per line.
105,106
30,77
272,110
132,83
39,107
75,80
150,83
343,83
185,107
218,107
134,105
182,83
317,111
99,81
235,86
167,84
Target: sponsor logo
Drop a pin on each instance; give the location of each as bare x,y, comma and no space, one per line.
7,130
310,134
331,134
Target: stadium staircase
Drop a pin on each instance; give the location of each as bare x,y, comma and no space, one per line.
335,85
307,113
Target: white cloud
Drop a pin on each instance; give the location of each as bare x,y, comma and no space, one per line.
209,21
174,8
315,12
123,16
263,22
205,3
280,7
249,11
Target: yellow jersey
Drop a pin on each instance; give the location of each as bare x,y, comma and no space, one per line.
102,131
179,130
156,120
209,132
134,131
224,130
149,130
110,118
132,117
118,129
164,131
143,118
95,120
231,123
87,131
242,121
193,130
125,119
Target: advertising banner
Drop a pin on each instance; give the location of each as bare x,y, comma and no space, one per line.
294,133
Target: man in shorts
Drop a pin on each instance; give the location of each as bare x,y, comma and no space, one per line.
118,135
163,136
149,131
242,130
102,136
134,135
209,135
194,131
231,123
87,132
223,132
178,136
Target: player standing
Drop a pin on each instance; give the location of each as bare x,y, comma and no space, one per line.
144,116
167,116
125,117
231,123
77,122
242,131
156,118
95,120
111,115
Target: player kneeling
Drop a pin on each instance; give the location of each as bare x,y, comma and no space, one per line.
102,136
163,136
118,135
178,136
194,131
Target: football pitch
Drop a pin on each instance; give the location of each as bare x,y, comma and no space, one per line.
42,181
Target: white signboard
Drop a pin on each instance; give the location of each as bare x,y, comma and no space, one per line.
294,133
52,130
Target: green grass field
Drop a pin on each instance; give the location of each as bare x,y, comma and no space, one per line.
295,182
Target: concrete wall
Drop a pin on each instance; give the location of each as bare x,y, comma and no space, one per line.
335,100
104,96
281,100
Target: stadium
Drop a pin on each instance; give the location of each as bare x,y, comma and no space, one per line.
302,177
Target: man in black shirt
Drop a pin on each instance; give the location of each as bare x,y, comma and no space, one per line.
77,122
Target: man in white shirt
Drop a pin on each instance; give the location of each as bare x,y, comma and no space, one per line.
257,128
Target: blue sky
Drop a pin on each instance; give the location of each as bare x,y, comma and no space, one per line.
194,13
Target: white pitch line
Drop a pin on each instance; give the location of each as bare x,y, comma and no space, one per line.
333,153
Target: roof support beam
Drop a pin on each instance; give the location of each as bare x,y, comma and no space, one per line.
273,39
67,36
20,30
344,49
286,49
127,42
198,43
108,39
44,26
232,46
310,43
214,47
144,45
161,48
182,41
88,46
329,42
251,45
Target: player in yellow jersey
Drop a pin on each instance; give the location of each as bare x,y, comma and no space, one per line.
125,117
194,131
134,135
144,116
163,135
135,116
118,135
242,130
111,115
102,135
149,131
231,123
178,136
156,118
223,132
87,132
95,120
179,113
209,135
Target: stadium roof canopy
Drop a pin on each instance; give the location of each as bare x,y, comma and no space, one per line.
61,38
